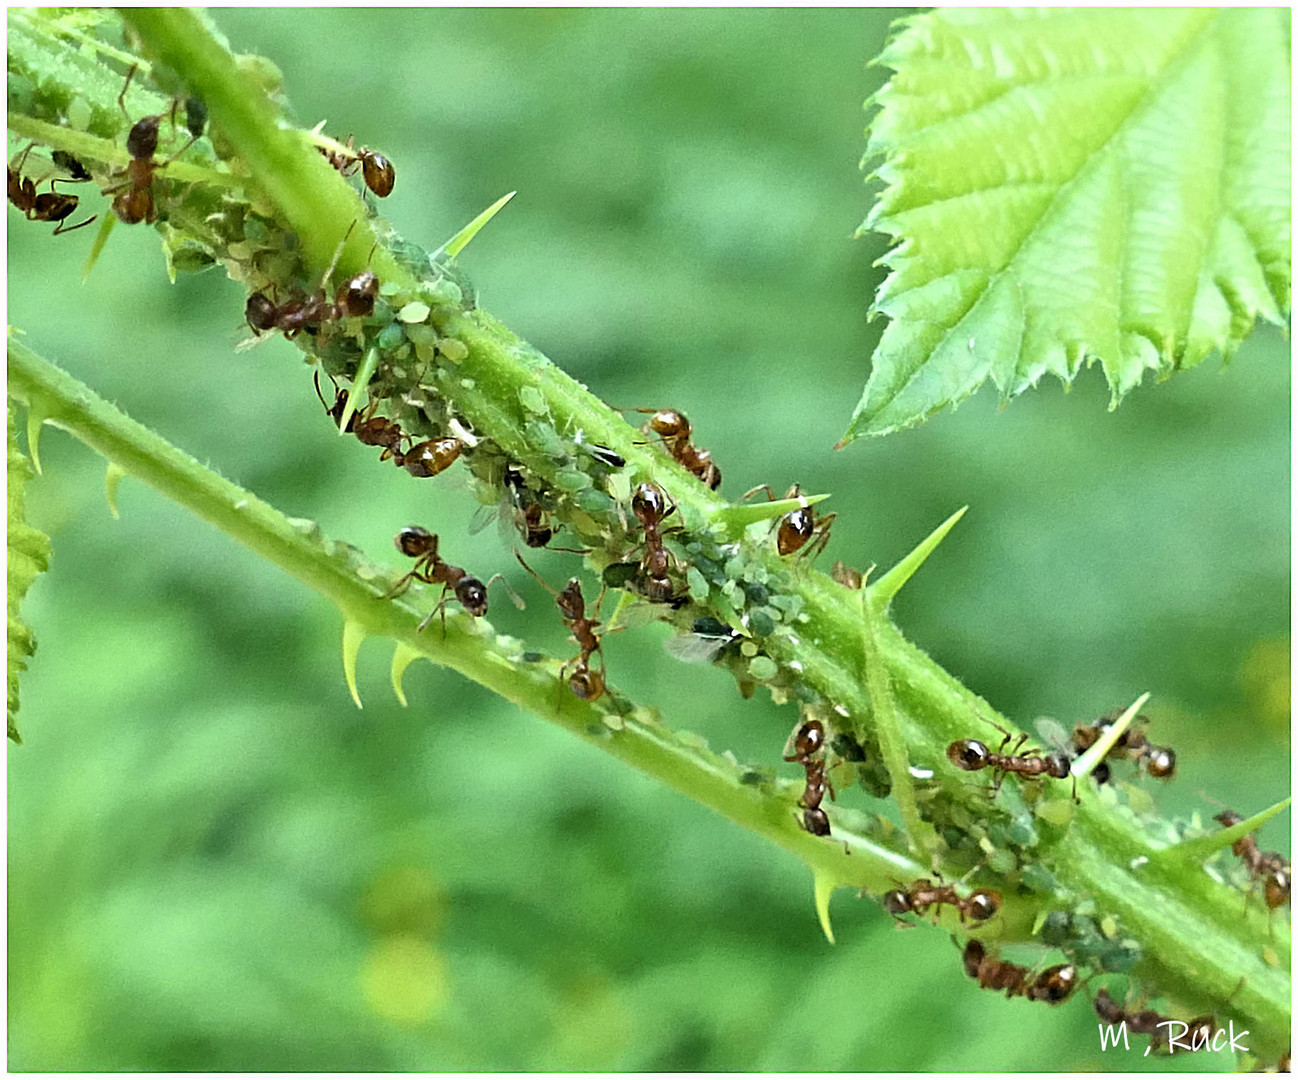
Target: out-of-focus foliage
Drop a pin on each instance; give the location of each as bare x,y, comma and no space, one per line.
222,864
28,555
1107,184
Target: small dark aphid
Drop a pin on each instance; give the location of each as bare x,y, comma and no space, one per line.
649,505
69,164
920,895
421,545
797,527
611,458
809,752
585,683
1052,986
52,206
675,431
971,755
1269,867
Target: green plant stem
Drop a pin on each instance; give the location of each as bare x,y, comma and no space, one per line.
1196,947
630,733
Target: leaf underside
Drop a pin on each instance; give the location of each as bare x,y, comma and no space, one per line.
1069,186
29,555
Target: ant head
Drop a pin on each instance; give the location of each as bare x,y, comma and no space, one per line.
1058,766
809,738
1161,762
415,541
1101,774
983,904
472,594
1054,984
816,821
968,754
571,603
795,530
142,142
648,504
974,954
356,297
587,685
670,424
1276,887
896,902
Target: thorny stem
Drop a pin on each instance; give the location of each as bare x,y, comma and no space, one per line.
1192,944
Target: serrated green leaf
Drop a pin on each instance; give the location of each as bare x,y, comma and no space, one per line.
1102,184
29,555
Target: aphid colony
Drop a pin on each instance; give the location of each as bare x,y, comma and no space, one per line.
135,196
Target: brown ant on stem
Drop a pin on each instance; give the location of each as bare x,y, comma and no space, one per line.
378,172
368,429
430,568
53,205
1157,1027
797,526
649,505
1269,867
971,755
920,895
135,203
809,752
1158,761
584,682
1052,986
675,431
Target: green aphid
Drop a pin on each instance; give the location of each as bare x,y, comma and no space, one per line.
760,623
595,502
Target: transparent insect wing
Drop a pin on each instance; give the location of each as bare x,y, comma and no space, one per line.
697,648
1054,736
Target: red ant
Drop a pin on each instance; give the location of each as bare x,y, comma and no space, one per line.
1159,761
971,755
649,505
808,751
798,526
1052,986
52,205
354,298
674,430
1269,867
379,174
920,895
430,568
135,204
585,683
1148,1022
370,430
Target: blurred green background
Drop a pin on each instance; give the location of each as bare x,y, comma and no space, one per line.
216,862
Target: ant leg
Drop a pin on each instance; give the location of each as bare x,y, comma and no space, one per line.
540,580
64,227
518,600
121,98
17,164
338,251
400,587
439,606
822,537
770,495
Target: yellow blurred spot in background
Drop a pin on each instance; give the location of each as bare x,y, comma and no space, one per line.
1264,677
404,980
